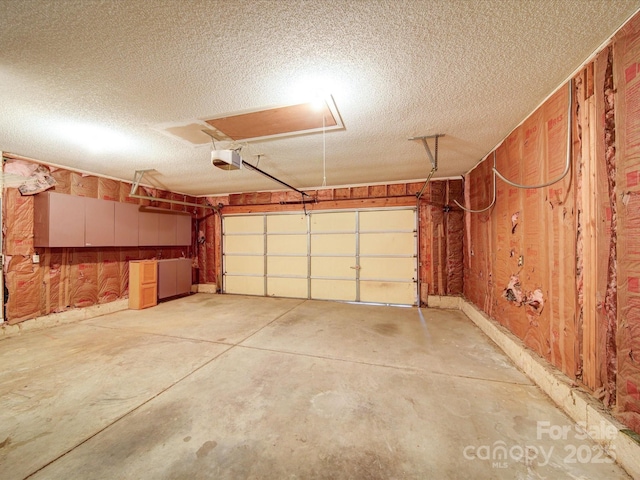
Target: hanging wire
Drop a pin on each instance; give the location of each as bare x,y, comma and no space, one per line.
494,192
567,166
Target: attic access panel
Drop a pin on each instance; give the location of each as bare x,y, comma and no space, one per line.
279,121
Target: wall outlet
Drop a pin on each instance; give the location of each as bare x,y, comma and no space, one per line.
36,258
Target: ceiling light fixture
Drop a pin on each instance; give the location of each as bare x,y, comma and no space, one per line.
318,100
95,138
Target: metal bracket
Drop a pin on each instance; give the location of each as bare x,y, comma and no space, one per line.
432,158
137,178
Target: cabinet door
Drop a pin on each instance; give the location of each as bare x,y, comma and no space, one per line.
148,228
59,220
167,277
166,228
148,295
183,281
99,221
183,229
142,284
126,224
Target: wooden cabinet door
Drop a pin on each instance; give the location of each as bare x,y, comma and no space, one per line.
143,284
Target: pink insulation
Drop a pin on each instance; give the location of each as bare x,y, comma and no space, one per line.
625,273
66,277
521,253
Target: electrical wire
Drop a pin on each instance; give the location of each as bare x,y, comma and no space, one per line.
567,166
494,192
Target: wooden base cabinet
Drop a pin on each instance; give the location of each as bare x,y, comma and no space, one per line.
143,284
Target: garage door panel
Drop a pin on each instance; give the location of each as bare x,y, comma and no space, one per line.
244,244
244,265
387,244
376,268
333,244
366,255
248,224
387,220
388,292
333,267
287,266
287,224
344,290
244,285
283,244
333,222
288,287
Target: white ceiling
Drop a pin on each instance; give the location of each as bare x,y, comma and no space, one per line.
86,83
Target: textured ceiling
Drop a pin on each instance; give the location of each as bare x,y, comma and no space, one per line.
86,84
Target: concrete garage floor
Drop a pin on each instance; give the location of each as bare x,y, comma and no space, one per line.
233,387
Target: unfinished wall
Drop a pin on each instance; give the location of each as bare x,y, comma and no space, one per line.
70,277
440,224
625,155
559,265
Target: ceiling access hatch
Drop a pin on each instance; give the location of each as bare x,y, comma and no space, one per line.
281,121
194,132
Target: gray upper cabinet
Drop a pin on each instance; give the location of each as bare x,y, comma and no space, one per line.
71,221
147,228
126,224
99,223
58,220
183,229
167,228
164,228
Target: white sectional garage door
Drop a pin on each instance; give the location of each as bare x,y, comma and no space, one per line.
360,256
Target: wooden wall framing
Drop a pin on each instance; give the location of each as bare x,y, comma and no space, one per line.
560,266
